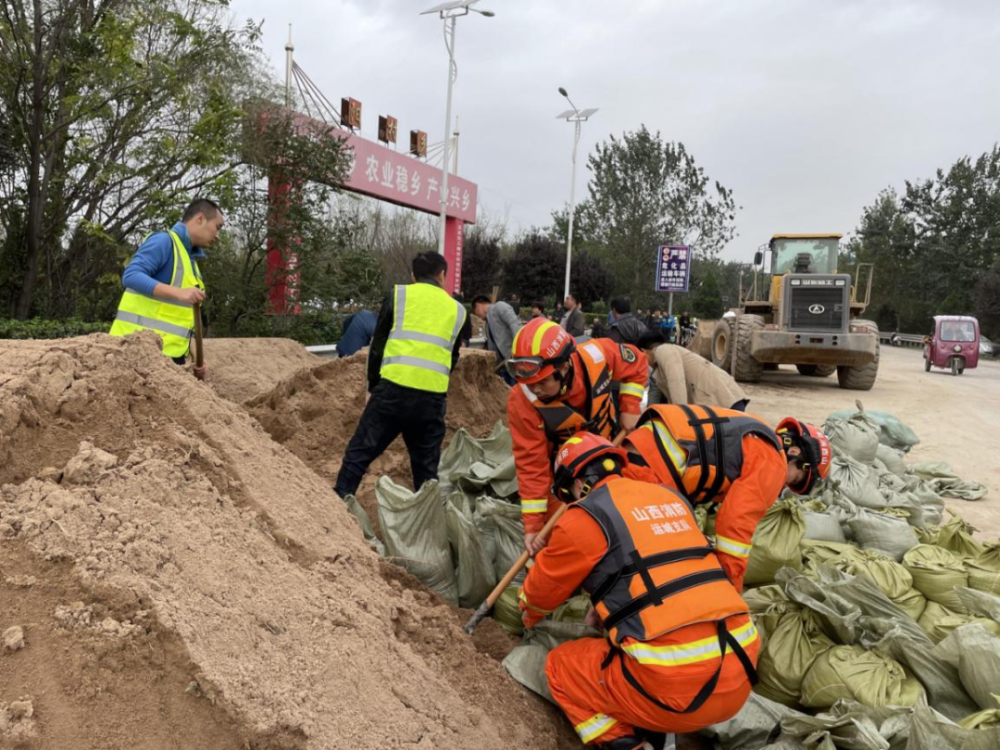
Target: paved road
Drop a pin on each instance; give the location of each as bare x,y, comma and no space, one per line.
957,418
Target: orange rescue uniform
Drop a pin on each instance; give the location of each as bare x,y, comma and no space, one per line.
660,658
538,429
752,478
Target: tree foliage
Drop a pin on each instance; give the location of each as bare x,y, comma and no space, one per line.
481,262
113,113
645,192
936,247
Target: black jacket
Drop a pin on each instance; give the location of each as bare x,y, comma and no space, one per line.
626,330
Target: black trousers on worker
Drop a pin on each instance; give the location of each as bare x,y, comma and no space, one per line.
394,410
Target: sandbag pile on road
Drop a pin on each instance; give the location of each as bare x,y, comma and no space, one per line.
878,606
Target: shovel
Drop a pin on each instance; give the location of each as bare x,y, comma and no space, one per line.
485,607
199,346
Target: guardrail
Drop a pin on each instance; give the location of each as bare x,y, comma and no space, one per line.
905,339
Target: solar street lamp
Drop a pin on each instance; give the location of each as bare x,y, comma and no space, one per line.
449,12
577,117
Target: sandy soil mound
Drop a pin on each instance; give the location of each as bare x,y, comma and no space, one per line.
315,411
231,560
240,369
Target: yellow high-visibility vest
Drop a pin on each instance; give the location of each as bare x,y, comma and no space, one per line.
426,325
173,321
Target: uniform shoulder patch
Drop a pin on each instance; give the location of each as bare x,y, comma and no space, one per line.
627,354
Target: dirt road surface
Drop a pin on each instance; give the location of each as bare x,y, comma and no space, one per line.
957,418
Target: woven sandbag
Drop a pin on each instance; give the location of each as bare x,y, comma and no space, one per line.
791,648
824,527
986,719
956,536
895,433
855,674
893,580
856,481
929,730
883,532
939,622
776,542
984,569
975,652
507,613
892,459
857,437
936,572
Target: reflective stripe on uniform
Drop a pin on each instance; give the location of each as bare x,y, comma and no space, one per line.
427,338
596,353
594,727
529,605
632,389
732,547
678,456
534,506
687,653
425,364
153,324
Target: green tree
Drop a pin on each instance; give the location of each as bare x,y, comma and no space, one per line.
591,280
113,113
645,192
481,262
706,302
533,269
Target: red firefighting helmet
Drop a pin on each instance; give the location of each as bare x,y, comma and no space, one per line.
815,447
538,349
578,453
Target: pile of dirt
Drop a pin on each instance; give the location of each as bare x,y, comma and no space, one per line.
315,411
240,369
180,553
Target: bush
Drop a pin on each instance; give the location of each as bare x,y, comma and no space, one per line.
38,328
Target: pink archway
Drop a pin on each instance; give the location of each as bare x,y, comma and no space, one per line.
379,172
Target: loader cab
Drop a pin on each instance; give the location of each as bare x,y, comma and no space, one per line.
791,253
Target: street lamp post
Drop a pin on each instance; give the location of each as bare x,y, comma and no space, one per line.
449,13
577,117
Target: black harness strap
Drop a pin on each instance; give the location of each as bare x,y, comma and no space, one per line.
674,473
718,439
640,603
653,561
725,639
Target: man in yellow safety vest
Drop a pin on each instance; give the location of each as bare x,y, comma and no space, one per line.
163,283
418,335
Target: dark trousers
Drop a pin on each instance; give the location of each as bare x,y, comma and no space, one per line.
393,411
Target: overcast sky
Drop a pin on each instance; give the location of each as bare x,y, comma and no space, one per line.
806,109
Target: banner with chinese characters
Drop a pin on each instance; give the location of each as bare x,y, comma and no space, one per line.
673,268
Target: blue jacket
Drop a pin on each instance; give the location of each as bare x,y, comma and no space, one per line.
153,262
358,332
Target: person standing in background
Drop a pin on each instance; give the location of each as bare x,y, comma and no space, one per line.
573,321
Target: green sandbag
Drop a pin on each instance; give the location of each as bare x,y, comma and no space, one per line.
573,609
884,532
503,521
936,572
857,437
984,569
856,481
507,612
464,450
979,603
526,663
853,673
986,719
892,579
929,730
776,542
415,529
946,482
824,527
791,648
750,729
939,622
975,652
474,574
355,509
895,433
851,726
956,536
892,459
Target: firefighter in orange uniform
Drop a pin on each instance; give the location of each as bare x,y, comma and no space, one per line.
681,649
563,388
730,459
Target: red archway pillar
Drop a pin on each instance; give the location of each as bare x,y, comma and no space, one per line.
454,239
283,276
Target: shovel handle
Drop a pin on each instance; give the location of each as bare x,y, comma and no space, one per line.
199,348
486,606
